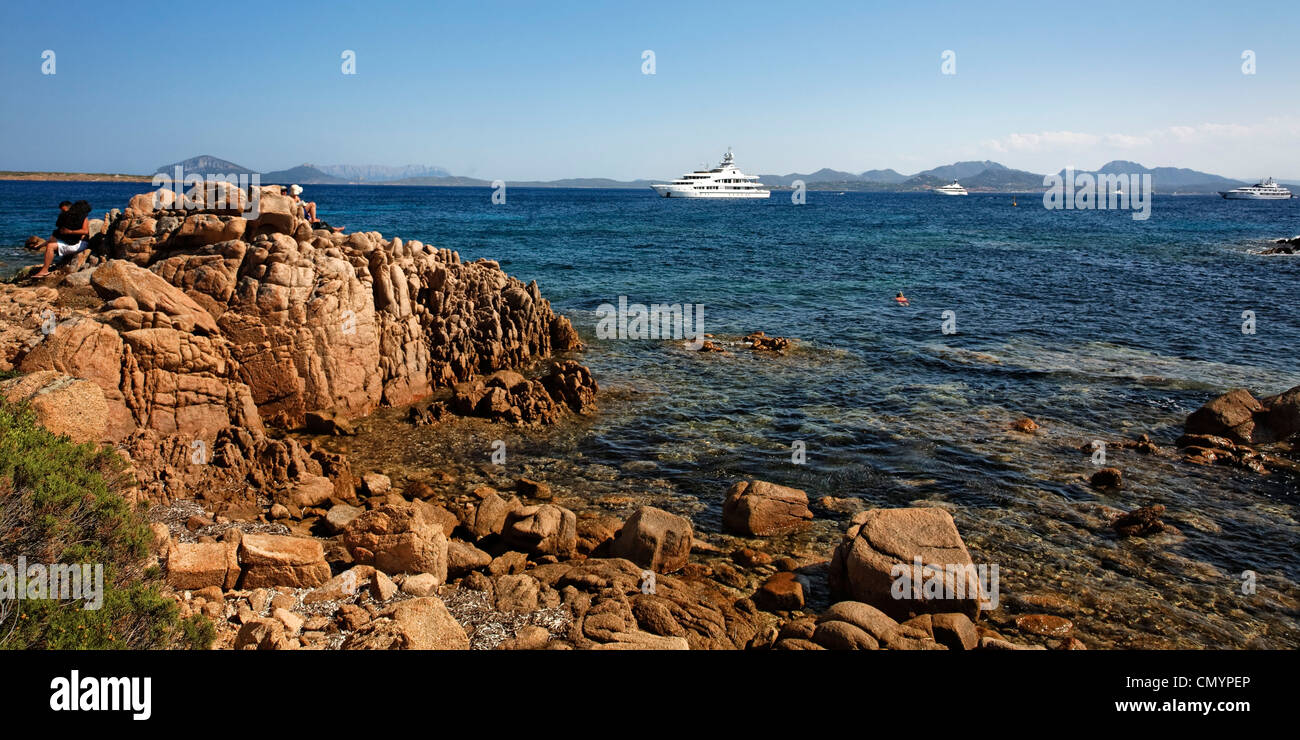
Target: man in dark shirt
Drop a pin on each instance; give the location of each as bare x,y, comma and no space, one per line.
70,233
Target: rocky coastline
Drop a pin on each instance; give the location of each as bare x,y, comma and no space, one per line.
212,351
1284,246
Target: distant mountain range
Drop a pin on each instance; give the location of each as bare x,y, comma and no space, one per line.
204,164
975,176
1172,179
309,174
380,173
993,177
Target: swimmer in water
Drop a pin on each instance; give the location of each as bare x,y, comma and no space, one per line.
902,299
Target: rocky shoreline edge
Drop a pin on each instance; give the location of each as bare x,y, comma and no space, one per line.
200,342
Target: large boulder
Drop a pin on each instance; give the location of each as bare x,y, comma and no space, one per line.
220,196
311,490
1220,430
94,352
202,229
655,539
780,592
760,508
24,319
956,631
270,560
195,565
146,203
1283,417
1230,415
149,292
865,617
905,562
415,624
399,538
276,213
488,516
463,557
62,404
263,633
542,530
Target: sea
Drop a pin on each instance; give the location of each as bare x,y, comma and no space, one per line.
1096,325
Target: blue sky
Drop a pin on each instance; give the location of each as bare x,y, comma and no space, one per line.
541,90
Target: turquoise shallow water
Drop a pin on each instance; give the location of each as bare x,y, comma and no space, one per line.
1095,325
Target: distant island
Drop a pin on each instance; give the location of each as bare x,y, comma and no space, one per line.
72,176
976,176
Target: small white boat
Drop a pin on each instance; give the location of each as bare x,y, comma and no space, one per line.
951,189
723,181
1266,189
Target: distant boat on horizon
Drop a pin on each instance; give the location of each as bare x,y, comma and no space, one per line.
952,188
723,181
1266,189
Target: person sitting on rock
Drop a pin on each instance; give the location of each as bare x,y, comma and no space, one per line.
902,299
70,235
309,210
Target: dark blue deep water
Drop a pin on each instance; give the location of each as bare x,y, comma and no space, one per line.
1095,325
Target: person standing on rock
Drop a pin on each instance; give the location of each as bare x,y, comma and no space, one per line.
70,234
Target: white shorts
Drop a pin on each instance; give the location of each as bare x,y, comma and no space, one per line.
67,250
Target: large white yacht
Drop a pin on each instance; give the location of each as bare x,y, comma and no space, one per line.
1264,190
723,181
950,189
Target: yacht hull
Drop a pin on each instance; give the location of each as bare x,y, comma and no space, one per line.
671,192
1231,195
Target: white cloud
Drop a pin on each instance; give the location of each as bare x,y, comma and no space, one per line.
1268,145
1041,141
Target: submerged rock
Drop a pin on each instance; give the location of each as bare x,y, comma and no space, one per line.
1140,522
1047,625
1284,246
1025,425
760,341
1107,478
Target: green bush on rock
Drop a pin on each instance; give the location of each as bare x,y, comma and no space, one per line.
63,503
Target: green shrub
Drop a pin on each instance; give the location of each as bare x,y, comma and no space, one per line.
62,503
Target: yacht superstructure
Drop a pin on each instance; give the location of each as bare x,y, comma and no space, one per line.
951,189
723,181
1266,189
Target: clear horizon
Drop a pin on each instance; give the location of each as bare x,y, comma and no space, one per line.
519,92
